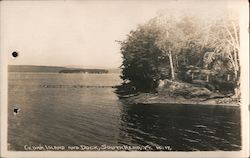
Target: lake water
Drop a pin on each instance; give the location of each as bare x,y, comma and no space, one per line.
82,109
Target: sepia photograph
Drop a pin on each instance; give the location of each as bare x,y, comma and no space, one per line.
124,76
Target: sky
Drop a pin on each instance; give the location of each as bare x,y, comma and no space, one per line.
83,33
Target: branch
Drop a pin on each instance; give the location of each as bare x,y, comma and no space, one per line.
230,34
235,34
235,47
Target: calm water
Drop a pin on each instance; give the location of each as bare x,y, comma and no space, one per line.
82,109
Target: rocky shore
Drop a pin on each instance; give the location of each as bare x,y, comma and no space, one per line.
182,93
149,98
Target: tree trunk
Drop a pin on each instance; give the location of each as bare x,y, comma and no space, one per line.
207,78
171,64
236,92
236,64
236,74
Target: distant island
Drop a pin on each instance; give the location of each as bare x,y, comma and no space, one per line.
59,69
96,71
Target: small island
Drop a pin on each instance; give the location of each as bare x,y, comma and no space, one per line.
92,71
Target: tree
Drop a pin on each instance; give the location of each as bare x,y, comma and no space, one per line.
224,39
167,41
141,58
181,40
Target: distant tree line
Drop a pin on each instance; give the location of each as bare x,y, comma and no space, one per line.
97,71
182,49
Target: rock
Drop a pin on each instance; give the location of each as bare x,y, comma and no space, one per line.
186,90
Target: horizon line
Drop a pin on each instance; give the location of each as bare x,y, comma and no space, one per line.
68,66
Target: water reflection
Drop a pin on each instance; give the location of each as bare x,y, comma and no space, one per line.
183,127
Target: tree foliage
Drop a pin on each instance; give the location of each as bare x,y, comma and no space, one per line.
141,58
177,45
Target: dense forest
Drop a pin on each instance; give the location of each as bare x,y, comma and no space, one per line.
186,50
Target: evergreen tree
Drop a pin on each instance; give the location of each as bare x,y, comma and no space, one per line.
141,58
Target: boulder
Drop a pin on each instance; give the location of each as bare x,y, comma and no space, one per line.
186,90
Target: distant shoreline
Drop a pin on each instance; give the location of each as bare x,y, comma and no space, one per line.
59,69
